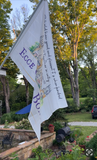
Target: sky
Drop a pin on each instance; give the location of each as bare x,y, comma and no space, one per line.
16,4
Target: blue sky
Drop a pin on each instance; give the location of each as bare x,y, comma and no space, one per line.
16,4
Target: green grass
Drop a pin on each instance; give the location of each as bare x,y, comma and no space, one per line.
80,99
86,130
84,117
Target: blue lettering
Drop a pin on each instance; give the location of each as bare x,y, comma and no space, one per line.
37,98
23,52
26,58
28,61
37,105
32,65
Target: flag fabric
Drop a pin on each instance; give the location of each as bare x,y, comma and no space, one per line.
48,92
34,55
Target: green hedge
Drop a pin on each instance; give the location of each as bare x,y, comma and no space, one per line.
12,117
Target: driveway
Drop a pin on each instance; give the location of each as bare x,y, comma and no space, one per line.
82,123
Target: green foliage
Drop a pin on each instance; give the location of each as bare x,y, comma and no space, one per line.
75,154
57,126
13,156
18,106
92,144
11,117
6,116
81,141
89,103
83,111
23,124
6,124
55,143
40,154
17,96
76,133
72,107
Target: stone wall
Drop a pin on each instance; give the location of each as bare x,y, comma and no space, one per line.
25,150
19,134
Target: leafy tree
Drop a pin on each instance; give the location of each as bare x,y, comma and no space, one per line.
73,27
5,45
89,72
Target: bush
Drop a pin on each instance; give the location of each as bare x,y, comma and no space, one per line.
18,105
72,107
57,126
76,133
6,116
92,144
55,143
11,117
24,124
89,103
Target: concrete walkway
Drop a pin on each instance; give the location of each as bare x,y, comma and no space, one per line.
82,123
69,123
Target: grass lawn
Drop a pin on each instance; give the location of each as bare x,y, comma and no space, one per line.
84,117
86,130
80,99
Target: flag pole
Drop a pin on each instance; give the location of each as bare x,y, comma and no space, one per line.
20,34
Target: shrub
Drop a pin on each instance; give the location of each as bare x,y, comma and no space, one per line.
76,133
72,107
92,144
6,116
11,117
24,124
89,103
55,143
57,126
18,105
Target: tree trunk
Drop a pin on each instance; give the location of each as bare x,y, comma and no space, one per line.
74,80
76,83
72,83
6,91
76,75
27,90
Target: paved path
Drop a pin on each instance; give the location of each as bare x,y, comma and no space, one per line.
70,123
82,123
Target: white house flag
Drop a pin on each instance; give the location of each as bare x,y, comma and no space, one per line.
48,92
34,55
